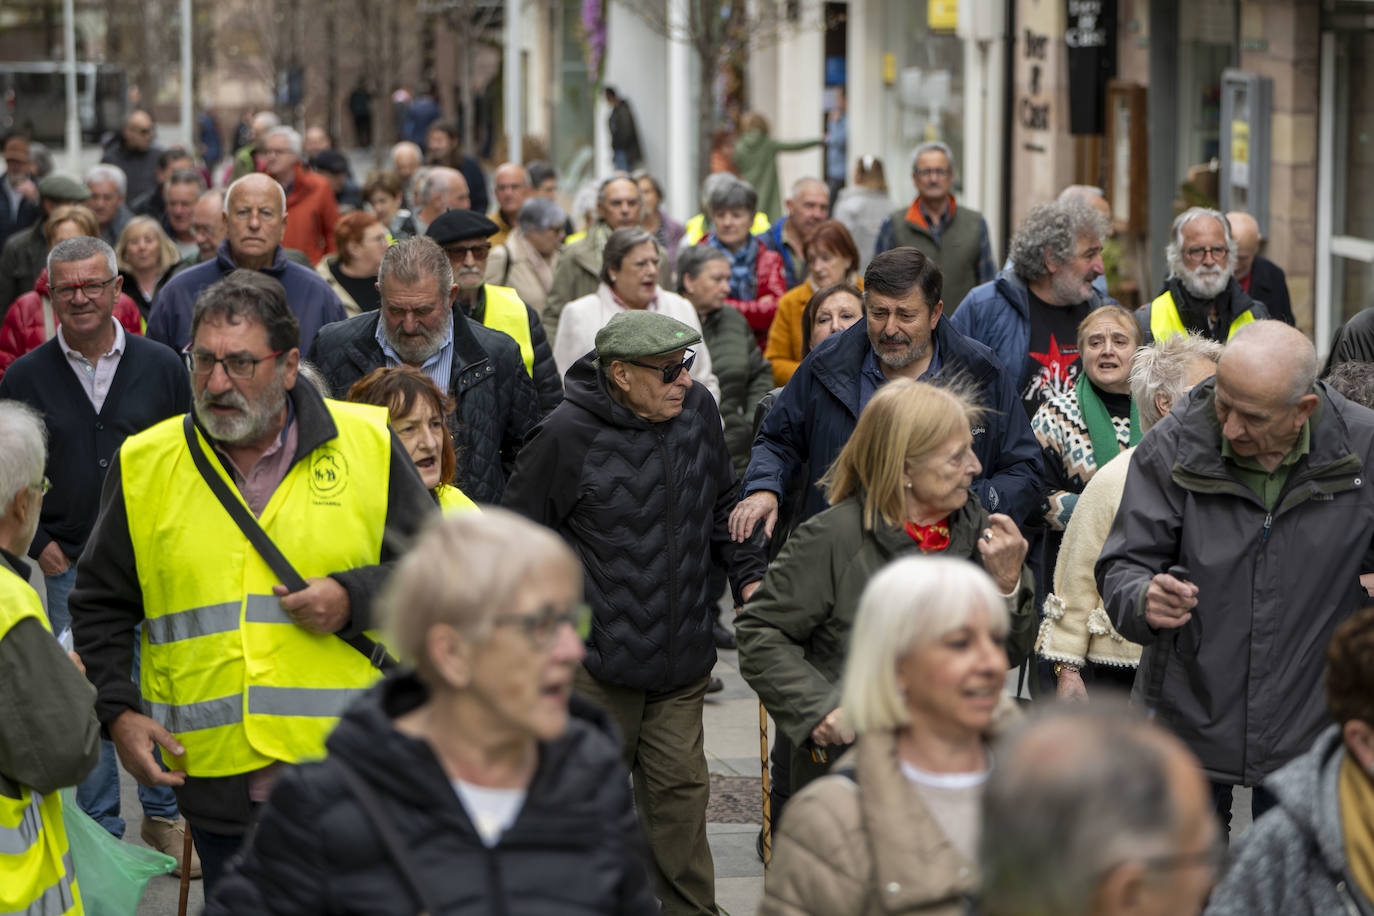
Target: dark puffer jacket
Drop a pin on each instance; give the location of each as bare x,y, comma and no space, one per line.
575,846
646,507
497,404
744,377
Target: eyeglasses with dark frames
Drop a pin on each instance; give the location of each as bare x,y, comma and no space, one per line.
236,365
671,371
460,253
541,627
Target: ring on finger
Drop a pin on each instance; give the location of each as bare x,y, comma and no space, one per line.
987,535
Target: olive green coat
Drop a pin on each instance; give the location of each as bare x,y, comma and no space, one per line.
794,632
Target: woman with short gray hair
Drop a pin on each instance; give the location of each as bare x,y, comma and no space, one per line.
756,275
446,782
526,260
629,282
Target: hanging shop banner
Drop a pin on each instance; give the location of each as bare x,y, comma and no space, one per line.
1091,38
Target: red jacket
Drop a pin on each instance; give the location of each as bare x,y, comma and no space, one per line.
311,213
769,287
23,328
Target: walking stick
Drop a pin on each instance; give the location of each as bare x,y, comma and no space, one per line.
185,873
767,802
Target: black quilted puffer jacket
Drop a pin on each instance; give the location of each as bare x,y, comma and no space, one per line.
645,506
497,403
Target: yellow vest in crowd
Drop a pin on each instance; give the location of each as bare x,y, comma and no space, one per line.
453,501
506,313
36,873
1165,322
224,667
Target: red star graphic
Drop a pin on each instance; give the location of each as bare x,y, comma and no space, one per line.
1056,363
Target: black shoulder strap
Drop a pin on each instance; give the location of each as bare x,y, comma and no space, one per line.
386,831
376,653
505,275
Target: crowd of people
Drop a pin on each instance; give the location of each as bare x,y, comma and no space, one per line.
390,525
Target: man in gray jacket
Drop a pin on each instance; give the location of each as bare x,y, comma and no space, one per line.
1256,487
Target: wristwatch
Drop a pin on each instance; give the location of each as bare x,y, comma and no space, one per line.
1061,667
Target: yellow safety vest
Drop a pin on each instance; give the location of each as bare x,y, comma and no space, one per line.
1165,321
506,312
695,230
224,667
36,874
453,501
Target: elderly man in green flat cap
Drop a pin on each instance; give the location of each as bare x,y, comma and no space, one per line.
632,470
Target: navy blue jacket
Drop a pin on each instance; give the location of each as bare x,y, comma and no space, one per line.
997,315
816,412
773,239
313,302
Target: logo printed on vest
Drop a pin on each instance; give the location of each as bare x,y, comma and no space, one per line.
328,473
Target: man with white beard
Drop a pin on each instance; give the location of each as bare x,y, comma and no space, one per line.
1201,294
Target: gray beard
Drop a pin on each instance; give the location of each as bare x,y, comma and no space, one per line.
255,422
416,348
1205,287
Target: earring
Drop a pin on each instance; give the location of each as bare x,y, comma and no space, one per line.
907,484
612,278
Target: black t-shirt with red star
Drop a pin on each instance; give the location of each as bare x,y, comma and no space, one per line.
1052,364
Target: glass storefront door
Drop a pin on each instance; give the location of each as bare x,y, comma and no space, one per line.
1345,225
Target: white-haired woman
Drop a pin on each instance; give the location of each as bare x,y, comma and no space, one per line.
894,828
496,796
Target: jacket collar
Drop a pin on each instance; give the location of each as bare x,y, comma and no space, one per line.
1199,444
225,260
838,361
901,831
314,424
917,217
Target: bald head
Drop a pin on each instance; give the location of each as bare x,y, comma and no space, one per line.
808,206
1119,793
405,159
1089,195
138,130
442,189
1246,232
1270,355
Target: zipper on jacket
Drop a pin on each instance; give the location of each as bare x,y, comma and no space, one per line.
497,896
1268,523
1346,900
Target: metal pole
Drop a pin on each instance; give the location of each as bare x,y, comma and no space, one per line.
515,89
188,127
73,116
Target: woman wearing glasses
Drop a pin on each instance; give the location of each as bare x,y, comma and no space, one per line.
474,783
629,282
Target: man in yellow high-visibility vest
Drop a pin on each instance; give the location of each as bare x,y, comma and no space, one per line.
49,736
238,676
465,237
1201,295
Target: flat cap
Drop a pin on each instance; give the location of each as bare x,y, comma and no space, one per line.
638,333
459,225
60,187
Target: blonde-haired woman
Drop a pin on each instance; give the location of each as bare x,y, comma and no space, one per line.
144,254
469,785
895,828
899,487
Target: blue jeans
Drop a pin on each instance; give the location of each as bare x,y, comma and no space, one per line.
98,793
621,160
59,587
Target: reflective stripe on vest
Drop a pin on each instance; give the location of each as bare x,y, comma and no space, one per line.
225,668
1165,320
36,875
506,312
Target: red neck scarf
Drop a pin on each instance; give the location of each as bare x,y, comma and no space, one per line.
930,538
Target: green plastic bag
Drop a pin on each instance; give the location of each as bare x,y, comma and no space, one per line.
112,874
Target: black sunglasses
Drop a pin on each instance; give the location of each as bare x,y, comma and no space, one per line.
671,371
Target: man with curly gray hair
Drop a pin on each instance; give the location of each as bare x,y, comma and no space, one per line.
1200,295
1029,314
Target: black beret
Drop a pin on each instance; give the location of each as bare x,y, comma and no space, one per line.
459,225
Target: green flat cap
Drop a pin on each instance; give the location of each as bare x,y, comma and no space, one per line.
638,333
60,187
